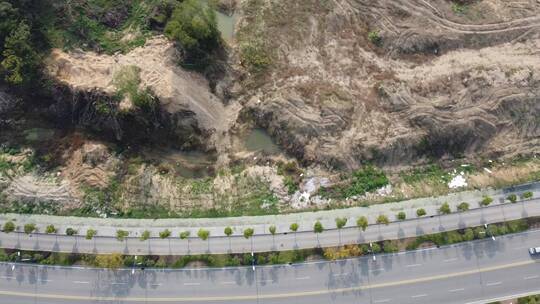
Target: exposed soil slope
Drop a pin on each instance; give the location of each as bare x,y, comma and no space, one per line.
178,91
429,82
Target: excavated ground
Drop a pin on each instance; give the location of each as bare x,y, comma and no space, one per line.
435,82
439,84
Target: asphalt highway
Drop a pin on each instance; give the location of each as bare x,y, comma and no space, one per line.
283,241
473,272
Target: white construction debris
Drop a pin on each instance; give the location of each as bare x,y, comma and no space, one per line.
458,181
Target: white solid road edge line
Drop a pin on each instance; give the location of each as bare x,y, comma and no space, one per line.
507,297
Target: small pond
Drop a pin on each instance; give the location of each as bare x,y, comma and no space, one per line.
38,134
225,23
259,140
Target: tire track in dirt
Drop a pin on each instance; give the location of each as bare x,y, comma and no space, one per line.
425,10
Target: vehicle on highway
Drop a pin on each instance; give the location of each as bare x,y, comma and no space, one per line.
534,251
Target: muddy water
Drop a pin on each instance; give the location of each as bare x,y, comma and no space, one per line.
225,23
191,164
38,134
194,164
259,140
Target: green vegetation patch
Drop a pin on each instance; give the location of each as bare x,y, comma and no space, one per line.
366,180
117,260
469,234
29,207
529,300
127,81
5,165
459,8
102,25
431,172
359,183
201,186
255,56
292,175
20,42
97,202
375,38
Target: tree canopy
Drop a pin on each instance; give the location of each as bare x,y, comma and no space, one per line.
18,55
194,27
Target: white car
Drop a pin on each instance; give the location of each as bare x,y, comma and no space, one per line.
534,251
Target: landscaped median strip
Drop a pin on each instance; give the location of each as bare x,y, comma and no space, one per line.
272,296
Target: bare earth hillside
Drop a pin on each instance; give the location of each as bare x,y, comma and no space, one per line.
424,89
397,81
177,89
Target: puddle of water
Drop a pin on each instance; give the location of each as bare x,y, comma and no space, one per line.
38,134
259,140
225,23
191,164
194,165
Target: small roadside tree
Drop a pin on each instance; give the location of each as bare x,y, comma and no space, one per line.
527,195
486,200
71,231
50,229
145,235
401,216
248,232
362,223
445,209
165,234
90,233
184,234
29,228
272,230
341,222
318,227
463,207
512,198
9,227
228,231
121,234
420,212
293,227
383,219
203,234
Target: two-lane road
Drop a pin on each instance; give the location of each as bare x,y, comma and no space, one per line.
464,273
278,242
